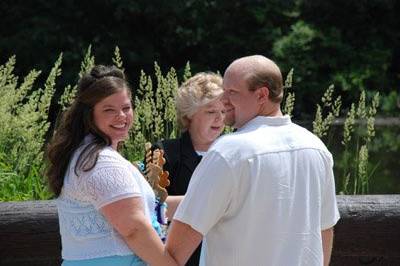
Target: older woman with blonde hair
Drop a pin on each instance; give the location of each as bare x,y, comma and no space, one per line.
200,115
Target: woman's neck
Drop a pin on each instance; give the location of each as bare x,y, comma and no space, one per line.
198,143
114,145
201,146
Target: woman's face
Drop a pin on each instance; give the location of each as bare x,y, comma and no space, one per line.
207,123
113,116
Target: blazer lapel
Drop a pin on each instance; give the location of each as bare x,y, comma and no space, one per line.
190,159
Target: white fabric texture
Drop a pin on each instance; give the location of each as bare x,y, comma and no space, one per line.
201,153
85,233
262,195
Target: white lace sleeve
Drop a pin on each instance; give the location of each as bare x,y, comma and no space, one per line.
110,183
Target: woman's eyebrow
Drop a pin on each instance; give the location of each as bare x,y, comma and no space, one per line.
108,105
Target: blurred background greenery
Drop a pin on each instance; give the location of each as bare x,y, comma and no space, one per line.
354,45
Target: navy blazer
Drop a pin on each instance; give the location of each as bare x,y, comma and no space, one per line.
181,160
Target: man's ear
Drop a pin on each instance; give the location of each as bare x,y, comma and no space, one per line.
262,94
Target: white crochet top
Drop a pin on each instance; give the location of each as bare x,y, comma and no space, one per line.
85,233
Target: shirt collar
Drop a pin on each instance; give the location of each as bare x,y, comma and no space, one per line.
267,120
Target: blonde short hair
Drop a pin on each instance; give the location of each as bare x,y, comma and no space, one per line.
199,90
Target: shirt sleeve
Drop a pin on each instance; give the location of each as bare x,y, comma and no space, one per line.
110,183
209,194
329,209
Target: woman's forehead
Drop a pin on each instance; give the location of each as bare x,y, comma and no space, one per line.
214,104
116,98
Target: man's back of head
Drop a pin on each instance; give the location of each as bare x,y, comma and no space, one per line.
253,86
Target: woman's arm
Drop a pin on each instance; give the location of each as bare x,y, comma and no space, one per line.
172,202
128,218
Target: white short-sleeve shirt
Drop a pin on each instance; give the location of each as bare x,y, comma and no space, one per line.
262,195
85,233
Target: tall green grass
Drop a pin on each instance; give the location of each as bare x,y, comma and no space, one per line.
353,168
24,116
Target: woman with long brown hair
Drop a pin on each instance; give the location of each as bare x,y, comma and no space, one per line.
105,205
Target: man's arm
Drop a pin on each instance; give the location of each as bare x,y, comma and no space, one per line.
182,240
327,242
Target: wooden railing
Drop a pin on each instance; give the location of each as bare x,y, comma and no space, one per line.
368,232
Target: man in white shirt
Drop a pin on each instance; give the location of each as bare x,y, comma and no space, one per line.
264,195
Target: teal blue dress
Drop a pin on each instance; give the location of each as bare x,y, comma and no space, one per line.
130,260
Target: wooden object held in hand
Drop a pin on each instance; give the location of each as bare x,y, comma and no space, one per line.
154,173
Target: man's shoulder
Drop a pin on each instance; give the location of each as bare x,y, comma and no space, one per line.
228,140
233,146
308,138
268,139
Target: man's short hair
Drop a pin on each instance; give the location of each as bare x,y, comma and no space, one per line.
266,78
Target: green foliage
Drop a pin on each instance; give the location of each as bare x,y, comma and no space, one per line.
117,60
324,48
25,112
295,49
321,123
352,44
88,61
25,116
353,161
289,97
187,73
391,103
16,187
358,131
67,97
297,43
349,125
155,116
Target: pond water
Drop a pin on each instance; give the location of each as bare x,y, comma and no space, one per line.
385,151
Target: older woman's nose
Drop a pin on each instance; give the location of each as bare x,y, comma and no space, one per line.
220,115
